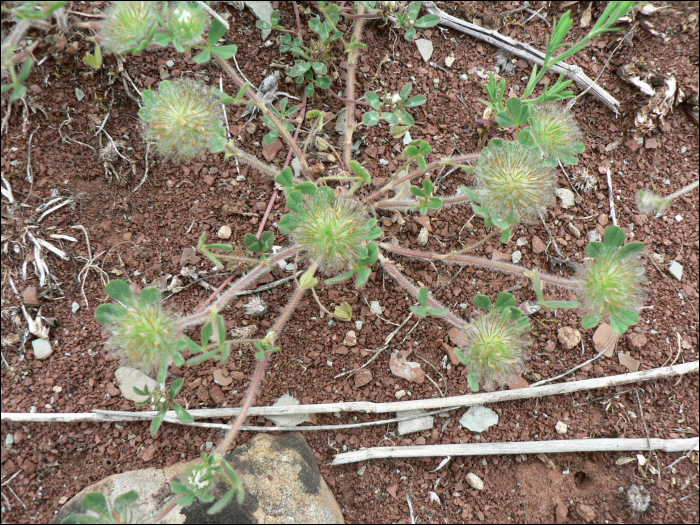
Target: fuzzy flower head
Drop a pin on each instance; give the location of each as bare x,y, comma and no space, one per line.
329,230
556,133
515,182
143,333
183,118
186,21
494,344
128,26
611,281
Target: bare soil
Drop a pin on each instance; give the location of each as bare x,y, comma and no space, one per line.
140,237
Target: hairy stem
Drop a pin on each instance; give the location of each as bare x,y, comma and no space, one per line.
404,205
450,317
350,91
442,162
478,261
269,114
240,285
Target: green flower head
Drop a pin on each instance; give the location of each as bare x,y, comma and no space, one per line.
494,348
515,182
329,230
186,21
555,131
612,281
143,333
183,118
128,26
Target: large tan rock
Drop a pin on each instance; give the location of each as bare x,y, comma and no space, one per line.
279,473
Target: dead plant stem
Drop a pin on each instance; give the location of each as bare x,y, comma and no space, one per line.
350,91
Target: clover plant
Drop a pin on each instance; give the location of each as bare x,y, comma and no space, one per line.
331,225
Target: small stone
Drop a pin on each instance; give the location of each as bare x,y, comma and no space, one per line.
423,237
129,378
361,471
290,420
676,269
350,338
224,232
569,337
475,481
42,348
499,256
449,61
628,361
651,143
517,255
550,346
562,513
566,196
529,308
221,379
30,297
375,308
400,394
362,377
358,325
425,48
593,236
269,151
561,428
411,426
537,245
9,440
637,341
586,512
605,336
478,419
216,394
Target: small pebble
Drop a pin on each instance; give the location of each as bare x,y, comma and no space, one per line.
517,255
475,481
224,232
375,308
569,337
561,428
400,394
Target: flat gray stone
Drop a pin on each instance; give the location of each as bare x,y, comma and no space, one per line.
375,308
129,378
412,426
262,10
425,48
566,196
478,419
281,479
676,269
42,348
291,420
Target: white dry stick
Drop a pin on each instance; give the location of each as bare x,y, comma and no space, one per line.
611,199
522,447
426,404
523,51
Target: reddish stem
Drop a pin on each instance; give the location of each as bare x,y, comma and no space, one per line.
296,15
352,62
286,163
430,166
346,100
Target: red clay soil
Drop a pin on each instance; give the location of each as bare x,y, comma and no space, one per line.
140,236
